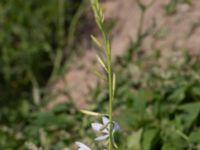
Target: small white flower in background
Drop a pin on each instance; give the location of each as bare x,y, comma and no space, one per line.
82,146
104,128
98,127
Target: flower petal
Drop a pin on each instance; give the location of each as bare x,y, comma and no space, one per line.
97,126
106,131
82,149
103,137
82,146
105,120
116,127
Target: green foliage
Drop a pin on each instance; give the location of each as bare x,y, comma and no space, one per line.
167,115
157,111
32,39
107,65
59,126
157,106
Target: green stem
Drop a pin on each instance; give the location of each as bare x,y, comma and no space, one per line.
110,87
100,22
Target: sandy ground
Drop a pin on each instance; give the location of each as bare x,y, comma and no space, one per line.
174,32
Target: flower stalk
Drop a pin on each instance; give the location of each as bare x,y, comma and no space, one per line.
108,64
110,87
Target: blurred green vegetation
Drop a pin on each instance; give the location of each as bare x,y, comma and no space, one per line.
160,107
157,105
33,35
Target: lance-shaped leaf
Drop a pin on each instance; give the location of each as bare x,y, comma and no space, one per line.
96,41
114,83
102,63
91,113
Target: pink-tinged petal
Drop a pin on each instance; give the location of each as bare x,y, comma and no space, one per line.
101,138
105,120
97,126
82,146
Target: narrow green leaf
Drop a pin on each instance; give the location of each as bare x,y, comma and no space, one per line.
91,113
96,41
102,63
114,83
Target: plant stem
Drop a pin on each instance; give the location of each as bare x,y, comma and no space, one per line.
98,13
110,86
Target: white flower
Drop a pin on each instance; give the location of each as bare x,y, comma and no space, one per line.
82,146
104,128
